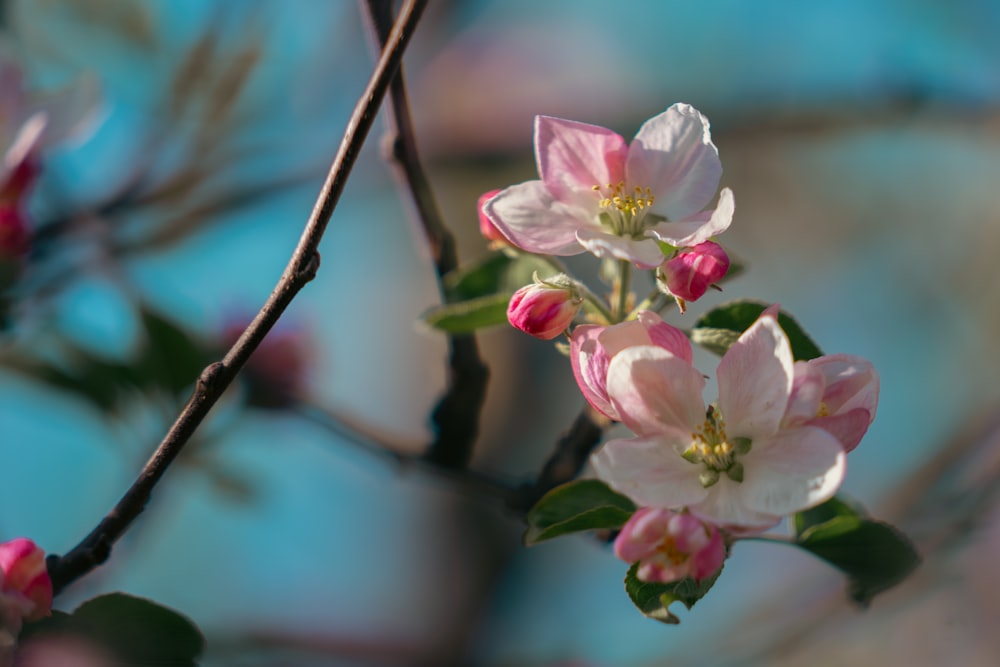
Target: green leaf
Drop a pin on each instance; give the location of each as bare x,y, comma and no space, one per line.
654,600
467,316
874,555
714,330
481,277
135,630
586,504
523,269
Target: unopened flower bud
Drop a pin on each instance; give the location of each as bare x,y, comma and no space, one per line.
688,275
25,587
546,308
486,226
670,546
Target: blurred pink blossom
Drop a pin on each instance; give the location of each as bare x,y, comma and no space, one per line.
670,546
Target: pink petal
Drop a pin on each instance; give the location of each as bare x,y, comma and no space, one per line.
673,154
755,380
647,328
656,392
573,157
642,533
699,227
533,221
650,471
644,253
851,382
590,367
793,470
808,385
847,427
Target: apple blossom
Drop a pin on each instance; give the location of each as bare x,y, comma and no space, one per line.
25,587
739,463
486,226
593,346
688,275
615,200
670,546
836,392
545,308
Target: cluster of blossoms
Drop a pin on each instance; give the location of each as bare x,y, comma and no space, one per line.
774,442
25,588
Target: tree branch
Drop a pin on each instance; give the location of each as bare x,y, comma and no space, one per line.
456,416
96,547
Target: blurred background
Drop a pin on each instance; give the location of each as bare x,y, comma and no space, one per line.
861,140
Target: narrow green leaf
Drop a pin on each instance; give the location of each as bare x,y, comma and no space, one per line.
737,316
874,555
654,600
467,316
481,277
586,504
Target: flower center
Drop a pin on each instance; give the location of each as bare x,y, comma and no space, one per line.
713,449
623,210
667,551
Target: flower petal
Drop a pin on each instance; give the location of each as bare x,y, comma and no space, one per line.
650,471
656,392
673,154
808,384
851,382
532,220
700,227
793,470
574,157
755,380
847,427
647,328
725,506
590,360
644,253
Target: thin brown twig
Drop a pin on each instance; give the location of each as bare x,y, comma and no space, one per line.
96,547
456,416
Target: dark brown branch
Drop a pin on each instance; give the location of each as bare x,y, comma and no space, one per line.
456,416
96,547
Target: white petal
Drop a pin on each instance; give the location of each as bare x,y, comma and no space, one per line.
673,154
808,385
793,470
755,380
650,471
644,253
533,220
656,392
725,505
699,227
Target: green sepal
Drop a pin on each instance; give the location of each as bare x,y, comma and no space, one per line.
582,505
719,328
467,316
654,600
874,555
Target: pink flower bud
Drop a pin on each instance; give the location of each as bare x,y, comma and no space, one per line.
276,375
688,275
15,239
546,308
670,546
486,226
25,587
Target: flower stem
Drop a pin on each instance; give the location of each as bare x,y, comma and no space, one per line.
624,283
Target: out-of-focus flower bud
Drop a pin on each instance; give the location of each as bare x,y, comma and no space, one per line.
25,587
688,275
276,373
486,226
670,546
546,308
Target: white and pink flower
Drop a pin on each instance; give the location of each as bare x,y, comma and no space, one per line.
670,546
742,463
617,200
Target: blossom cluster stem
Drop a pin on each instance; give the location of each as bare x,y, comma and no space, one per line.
456,416
96,547
624,284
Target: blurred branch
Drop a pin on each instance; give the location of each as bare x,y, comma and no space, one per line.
570,455
96,547
456,416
